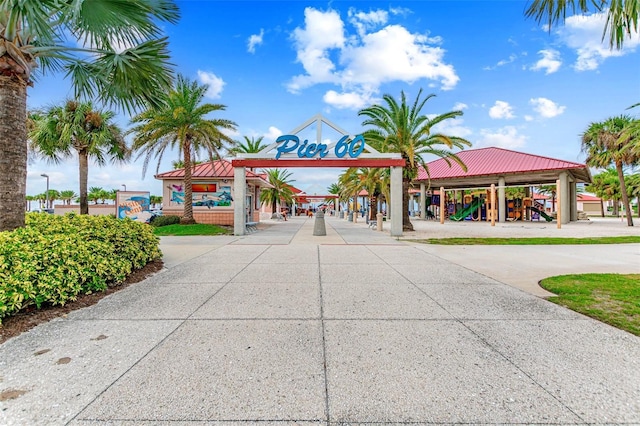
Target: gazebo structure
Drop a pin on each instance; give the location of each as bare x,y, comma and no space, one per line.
506,168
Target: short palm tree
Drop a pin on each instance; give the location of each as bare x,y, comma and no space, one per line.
398,127
249,146
606,186
122,60
67,195
622,15
607,143
181,123
280,191
78,128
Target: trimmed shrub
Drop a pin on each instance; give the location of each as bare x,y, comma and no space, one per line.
159,221
54,258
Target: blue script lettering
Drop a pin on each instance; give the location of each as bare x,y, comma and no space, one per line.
305,150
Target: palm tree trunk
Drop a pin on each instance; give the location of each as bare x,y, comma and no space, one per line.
623,191
83,171
406,221
13,156
187,218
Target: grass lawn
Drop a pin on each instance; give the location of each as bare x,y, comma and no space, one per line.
528,241
196,229
610,298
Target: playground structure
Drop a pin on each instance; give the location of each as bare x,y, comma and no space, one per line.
476,206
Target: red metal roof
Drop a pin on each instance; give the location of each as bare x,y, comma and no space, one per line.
493,161
221,169
587,197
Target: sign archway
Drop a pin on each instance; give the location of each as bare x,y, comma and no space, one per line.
289,151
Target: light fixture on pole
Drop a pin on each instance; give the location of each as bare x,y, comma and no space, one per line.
46,206
125,187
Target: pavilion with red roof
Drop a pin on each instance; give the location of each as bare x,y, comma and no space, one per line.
213,193
504,168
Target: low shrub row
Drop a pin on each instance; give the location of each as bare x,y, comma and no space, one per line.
54,258
160,220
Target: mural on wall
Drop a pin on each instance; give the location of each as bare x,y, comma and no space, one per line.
204,194
134,205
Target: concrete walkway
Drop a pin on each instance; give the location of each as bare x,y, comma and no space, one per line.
280,328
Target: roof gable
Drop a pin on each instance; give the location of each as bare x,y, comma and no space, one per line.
494,161
219,169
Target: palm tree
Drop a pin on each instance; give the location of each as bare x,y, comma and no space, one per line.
249,146
181,123
95,194
280,191
405,130
606,143
622,15
550,190
67,195
333,189
633,188
78,127
606,185
121,60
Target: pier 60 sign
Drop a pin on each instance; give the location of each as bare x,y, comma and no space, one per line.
345,146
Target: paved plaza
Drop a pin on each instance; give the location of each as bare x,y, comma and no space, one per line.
281,327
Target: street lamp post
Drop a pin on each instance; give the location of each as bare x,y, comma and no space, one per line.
125,187
46,206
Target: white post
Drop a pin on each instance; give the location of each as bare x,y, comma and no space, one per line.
239,200
573,197
559,206
502,200
564,193
423,201
396,201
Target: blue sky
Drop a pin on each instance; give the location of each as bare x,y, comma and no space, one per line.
275,64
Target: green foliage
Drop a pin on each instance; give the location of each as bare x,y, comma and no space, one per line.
54,258
159,221
610,298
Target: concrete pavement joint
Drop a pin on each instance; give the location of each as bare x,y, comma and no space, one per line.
324,343
482,339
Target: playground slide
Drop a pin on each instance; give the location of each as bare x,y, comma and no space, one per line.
541,213
466,211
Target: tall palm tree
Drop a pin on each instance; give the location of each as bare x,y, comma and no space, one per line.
622,15
280,191
182,123
398,127
334,189
633,188
606,143
76,127
122,60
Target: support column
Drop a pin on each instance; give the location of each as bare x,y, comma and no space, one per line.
423,201
442,206
502,200
493,205
396,201
573,195
564,197
239,200
559,206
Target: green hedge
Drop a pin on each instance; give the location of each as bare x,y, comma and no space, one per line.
160,220
54,258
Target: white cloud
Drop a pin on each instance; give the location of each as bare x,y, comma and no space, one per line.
215,83
503,62
546,108
453,127
255,40
273,133
506,137
528,118
550,61
360,63
344,100
459,106
364,21
501,109
584,35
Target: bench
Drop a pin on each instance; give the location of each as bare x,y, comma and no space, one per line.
251,226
